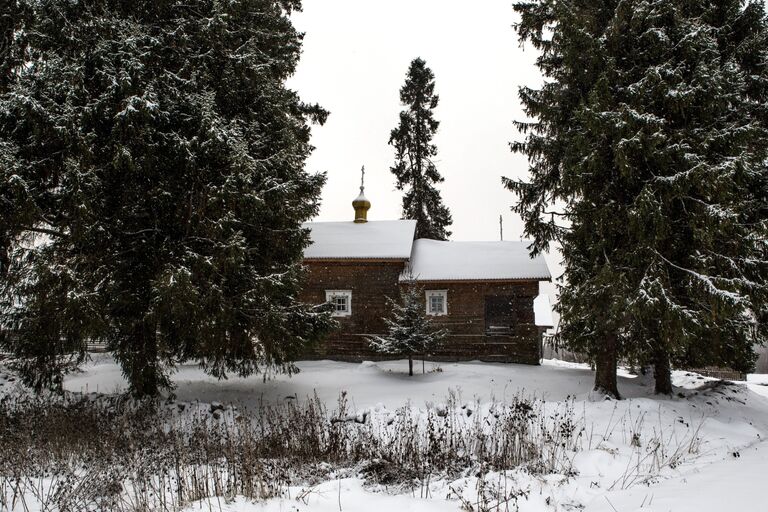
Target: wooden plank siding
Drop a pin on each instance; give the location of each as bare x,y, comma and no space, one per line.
372,282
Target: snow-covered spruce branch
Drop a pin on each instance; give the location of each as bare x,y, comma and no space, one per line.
44,231
708,281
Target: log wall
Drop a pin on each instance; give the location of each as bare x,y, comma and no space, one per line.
372,282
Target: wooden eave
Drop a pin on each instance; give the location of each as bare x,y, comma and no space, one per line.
477,281
356,260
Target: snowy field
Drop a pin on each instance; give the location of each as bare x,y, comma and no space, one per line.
701,450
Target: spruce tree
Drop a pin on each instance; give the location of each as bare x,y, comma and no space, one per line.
689,115
415,169
155,154
652,133
12,52
567,37
411,333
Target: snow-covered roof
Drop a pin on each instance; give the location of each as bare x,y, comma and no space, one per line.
433,260
542,311
380,239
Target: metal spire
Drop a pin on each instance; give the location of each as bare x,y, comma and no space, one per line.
362,179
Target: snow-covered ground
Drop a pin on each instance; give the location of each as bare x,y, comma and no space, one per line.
371,383
701,450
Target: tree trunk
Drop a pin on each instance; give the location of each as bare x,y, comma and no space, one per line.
5,259
662,373
605,368
143,368
410,366
423,370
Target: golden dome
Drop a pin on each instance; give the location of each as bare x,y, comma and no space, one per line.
361,204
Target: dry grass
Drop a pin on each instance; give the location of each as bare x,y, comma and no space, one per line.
112,453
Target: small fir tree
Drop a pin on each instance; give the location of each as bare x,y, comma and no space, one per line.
414,167
411,333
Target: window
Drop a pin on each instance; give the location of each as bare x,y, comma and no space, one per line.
341,300
437,302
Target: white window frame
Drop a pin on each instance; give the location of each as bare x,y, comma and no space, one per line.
437,293
330,295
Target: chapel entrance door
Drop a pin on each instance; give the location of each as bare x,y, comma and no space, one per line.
499,315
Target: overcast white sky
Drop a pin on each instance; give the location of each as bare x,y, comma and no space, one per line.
356,53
